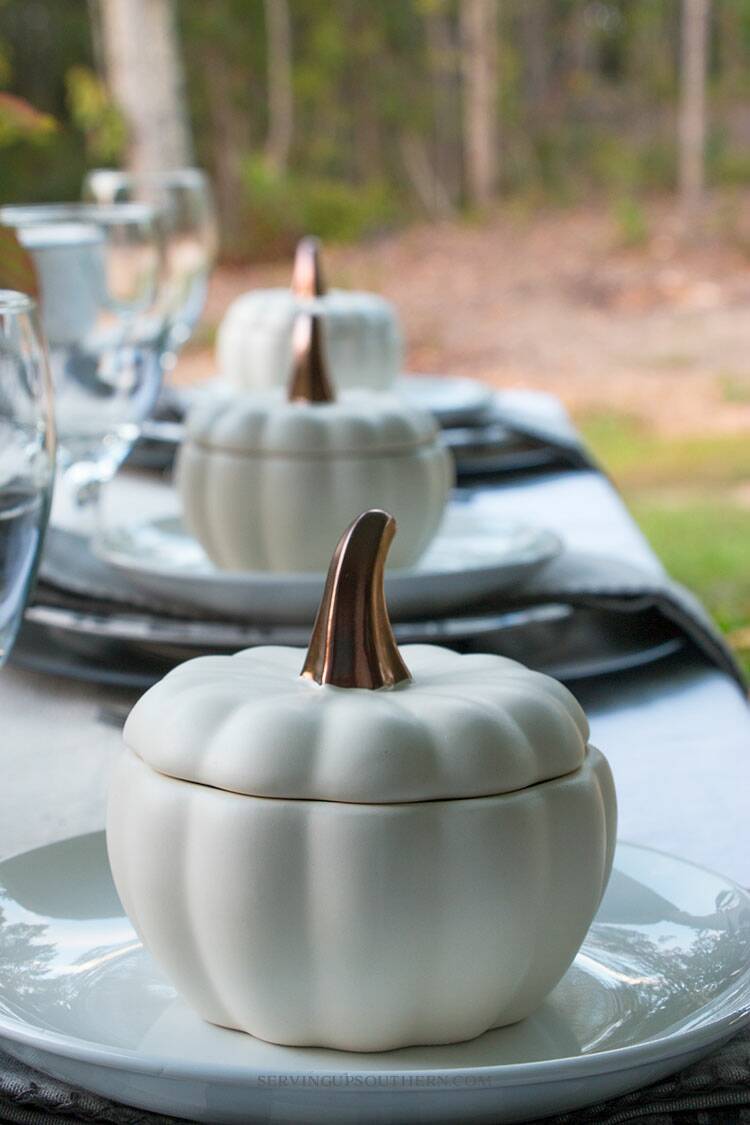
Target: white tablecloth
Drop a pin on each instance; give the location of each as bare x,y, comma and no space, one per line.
677,734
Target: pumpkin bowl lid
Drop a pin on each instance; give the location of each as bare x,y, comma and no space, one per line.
341,308
357,422
462,726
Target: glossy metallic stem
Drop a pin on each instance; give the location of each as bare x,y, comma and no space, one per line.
310,381
352,643
307,275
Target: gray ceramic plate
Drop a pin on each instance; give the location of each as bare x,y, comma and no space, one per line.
662,979
134,650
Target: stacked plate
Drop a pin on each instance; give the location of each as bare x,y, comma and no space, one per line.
627,1012
145,597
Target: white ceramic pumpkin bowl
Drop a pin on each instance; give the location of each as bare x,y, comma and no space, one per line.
255,339
353,857
268,482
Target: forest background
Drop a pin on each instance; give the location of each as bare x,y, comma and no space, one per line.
555,192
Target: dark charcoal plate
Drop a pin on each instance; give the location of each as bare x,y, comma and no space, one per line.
122,651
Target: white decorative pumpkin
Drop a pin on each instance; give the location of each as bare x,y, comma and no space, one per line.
356,857
268,483
363,338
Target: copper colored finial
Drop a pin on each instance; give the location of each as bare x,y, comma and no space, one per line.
352,643
17,269
310,381
307,275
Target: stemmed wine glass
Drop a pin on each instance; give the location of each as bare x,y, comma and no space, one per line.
183,202
98,270
27,456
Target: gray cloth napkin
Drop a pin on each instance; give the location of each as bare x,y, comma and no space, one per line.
71,576
714,1091
519,412
602,581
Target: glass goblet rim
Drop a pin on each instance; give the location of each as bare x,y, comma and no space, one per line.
103,214
14,301
191,176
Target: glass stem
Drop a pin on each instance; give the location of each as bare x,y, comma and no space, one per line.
77,500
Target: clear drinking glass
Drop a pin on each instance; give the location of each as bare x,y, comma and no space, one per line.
98,270
185,210
27,456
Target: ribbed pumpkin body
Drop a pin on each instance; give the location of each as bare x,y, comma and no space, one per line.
361,927
337,919
268,485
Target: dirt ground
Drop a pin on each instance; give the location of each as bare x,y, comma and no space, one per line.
556,301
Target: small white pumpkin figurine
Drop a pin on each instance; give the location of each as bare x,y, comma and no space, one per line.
360,848
254,344
267,482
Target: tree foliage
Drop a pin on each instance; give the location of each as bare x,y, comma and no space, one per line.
587,96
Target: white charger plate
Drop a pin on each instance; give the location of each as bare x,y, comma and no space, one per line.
662,978
470,559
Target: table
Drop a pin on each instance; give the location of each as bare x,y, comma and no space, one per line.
677,733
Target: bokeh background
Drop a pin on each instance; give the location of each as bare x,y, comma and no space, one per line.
556,193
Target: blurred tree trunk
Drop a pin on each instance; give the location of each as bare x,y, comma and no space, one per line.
692,111
366,141
427,185
443,61
229,141
534,30
280,92
649,67
144,73
365,65
580,45
732,59
479,33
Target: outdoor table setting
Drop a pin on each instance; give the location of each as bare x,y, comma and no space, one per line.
431,801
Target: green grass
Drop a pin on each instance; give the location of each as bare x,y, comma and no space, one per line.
639,458
734,388
706,545
631,222
683,494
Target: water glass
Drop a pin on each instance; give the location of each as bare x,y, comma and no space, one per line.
185,211
98,271
27,456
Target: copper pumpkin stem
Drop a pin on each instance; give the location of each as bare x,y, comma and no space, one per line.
307,275
352,643
310,381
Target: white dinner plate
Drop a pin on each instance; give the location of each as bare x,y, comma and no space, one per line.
662,978
470,559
